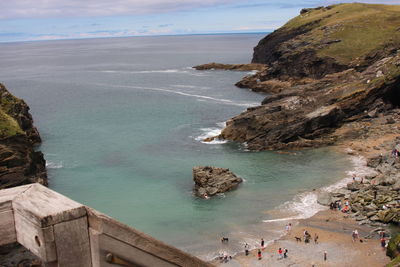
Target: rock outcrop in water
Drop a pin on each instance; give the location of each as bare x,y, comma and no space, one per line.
325,68
19,162
210,181
238,67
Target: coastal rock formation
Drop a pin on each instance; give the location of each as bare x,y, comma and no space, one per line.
325,68
19,162
210,181
238,67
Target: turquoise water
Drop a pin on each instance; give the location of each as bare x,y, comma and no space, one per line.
121,120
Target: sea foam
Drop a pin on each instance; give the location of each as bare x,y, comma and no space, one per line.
211,132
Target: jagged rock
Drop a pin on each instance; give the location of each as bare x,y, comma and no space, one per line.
19,163
389,215
313,93
238,67
341,193
396,186
210,181
373,162
355,186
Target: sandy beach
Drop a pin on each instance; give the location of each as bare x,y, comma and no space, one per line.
333,228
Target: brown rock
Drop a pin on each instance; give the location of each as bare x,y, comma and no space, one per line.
210,181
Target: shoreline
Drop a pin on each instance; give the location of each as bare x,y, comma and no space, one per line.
334,228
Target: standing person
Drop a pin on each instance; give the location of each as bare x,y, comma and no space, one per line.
290,227
383,243
246,249
287,228
259,254
285,253
354,235
316,239
280,253
262,242
325,255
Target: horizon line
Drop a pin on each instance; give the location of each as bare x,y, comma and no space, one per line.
132,36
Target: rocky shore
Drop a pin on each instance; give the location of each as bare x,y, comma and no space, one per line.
19,162
332,77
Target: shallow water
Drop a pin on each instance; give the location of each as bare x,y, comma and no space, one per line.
121,121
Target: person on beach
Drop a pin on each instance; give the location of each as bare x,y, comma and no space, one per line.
316,239
280,252
354,177
287,228
383,243
285,253
262,243
325,255
354,235
259,254
246,249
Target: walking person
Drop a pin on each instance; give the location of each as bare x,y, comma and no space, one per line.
285,253
262,243
246,249
259,254
316,239
325,255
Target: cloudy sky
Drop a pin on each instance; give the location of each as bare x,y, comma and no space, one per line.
25,20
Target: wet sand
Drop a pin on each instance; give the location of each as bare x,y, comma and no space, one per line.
334,229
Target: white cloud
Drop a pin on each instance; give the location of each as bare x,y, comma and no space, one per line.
81,8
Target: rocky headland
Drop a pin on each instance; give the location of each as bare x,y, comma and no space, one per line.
19,162
332,77
238,67
210,181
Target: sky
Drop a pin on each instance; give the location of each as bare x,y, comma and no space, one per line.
29,20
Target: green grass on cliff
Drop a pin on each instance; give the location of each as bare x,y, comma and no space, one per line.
8,125
362,28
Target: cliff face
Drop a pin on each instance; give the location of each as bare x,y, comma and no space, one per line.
325,68
19,163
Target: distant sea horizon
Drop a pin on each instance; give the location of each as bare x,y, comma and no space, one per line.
132,36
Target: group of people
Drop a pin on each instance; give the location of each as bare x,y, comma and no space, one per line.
307,237
337,205
282,253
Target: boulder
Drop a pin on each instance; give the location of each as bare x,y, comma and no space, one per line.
355,186
210,181
324,198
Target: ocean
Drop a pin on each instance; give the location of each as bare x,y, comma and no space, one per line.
122,122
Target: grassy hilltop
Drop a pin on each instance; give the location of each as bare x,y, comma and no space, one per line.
359,29
331,39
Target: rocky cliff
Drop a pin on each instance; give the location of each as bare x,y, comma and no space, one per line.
328,67
19,162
